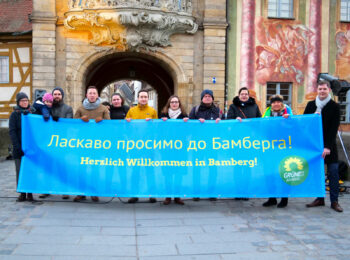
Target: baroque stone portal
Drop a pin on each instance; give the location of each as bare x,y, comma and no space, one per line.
131,24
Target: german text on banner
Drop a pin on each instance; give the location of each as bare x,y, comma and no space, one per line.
262,157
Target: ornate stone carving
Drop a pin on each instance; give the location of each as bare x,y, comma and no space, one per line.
131,24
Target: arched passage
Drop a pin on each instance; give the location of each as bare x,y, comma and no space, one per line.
134,66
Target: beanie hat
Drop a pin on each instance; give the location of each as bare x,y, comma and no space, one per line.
276,98
19,96
48,97
60,90
207,92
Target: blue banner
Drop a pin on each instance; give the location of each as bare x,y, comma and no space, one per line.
262,157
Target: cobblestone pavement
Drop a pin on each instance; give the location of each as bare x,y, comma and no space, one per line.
225,229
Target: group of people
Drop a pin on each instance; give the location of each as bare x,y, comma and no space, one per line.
243,107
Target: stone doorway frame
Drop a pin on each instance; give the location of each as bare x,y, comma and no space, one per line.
76,73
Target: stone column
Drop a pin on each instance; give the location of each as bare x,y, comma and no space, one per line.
214,25
44,44
248,45
314,57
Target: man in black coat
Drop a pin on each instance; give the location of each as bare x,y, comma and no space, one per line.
330,112
206,111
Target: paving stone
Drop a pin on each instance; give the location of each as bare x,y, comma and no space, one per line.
204,230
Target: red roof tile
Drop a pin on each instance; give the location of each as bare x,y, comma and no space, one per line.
14,15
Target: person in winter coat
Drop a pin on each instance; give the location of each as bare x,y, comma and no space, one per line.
277,108
118,110
15,128
43,107
243,106
173,110
330,112
59,108
91,109
141,111
206,111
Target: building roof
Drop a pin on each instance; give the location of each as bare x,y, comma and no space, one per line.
14,16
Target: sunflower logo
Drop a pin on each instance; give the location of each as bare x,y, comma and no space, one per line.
293,161
293,170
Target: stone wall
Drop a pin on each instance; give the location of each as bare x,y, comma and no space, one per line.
4,141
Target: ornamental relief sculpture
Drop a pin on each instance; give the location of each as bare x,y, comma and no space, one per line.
131,25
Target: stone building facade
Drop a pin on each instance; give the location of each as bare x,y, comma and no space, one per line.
185,46
175,46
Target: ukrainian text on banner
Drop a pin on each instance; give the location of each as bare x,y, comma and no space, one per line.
255,158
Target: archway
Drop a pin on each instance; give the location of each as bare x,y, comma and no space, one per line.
132,66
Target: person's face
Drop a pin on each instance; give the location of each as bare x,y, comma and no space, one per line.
57,96
48,103
323,91
174,103
92,95
276,106
116,101
207,99
243,96
143,98
23,103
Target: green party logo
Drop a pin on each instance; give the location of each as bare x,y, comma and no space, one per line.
293,170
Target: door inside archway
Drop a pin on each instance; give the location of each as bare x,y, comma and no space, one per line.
133,67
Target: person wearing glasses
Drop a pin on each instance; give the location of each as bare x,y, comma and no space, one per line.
15,127
173,110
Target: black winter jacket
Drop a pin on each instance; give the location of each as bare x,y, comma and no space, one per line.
61,110
202,111
248,109
15,128
330,124
118,112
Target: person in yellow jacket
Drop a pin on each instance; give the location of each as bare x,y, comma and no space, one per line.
141,111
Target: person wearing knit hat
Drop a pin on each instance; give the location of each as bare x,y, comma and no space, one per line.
277,109
43,106
205,111
15,129
207,92
59,108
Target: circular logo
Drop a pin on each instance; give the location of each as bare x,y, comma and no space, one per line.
293,170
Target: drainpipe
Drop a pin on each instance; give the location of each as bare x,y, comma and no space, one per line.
226,60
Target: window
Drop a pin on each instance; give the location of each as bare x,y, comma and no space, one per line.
284,89
343,100
4,69
345,10
280,9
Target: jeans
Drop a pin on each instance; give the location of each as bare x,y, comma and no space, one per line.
333,177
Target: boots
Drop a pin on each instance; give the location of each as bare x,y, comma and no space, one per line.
167,201
283,203
270,202
30,197
21,197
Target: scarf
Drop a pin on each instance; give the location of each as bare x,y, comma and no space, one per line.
173,114
91,106
321,103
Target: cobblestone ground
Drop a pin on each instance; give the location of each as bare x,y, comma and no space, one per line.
225,229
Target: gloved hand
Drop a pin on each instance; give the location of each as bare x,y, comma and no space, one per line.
85,118
55,118
25,112
98,119
46,118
